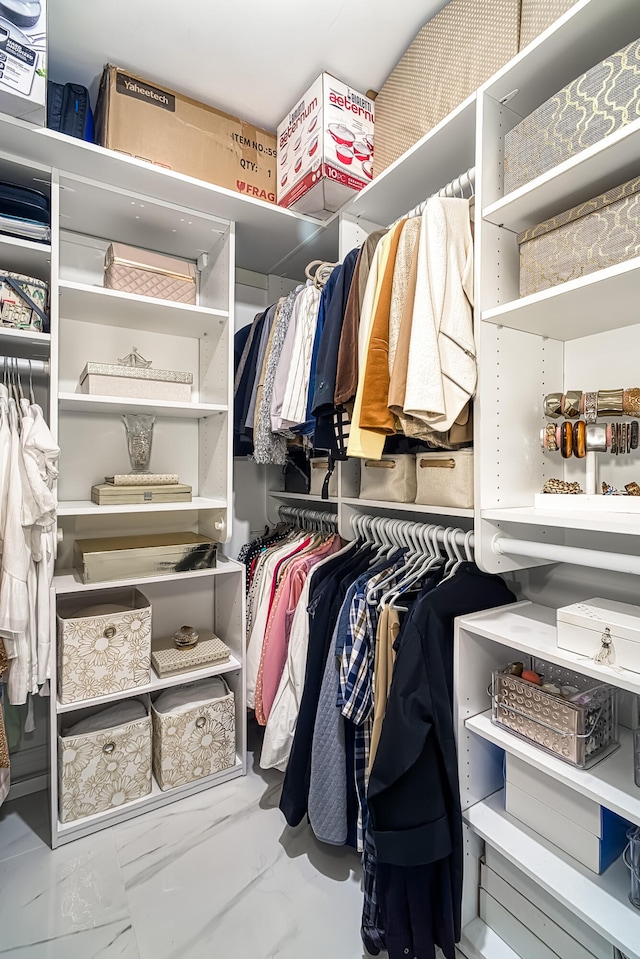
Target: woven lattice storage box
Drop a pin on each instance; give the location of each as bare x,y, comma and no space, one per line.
589,237
103,647
588,109
452,55
195,736
580,729
105,769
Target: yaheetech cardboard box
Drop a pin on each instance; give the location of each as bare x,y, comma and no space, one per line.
23,59
325,148
152,122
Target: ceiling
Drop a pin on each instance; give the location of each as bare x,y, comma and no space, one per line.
253,58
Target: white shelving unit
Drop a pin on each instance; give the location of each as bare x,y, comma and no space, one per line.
580,334
486,641
211,598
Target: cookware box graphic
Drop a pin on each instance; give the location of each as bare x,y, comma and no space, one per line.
325,147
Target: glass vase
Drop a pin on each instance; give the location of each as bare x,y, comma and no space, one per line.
139,430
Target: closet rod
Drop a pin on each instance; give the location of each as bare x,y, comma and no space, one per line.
575,555
386,524
309,515
24,367
455,188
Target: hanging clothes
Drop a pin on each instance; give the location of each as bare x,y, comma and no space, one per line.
413,796
28,508
5,778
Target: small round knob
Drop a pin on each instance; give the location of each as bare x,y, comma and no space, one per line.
109,632
186,637
200,721
108,748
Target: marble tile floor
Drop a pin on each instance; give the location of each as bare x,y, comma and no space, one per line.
218,875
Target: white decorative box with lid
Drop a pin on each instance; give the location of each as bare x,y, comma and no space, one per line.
133,377
602,628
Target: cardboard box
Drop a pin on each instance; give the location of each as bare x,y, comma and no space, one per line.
156,124
325,148
583,626
23,60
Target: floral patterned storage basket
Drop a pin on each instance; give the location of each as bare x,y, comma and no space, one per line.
105,769
194,732
103,647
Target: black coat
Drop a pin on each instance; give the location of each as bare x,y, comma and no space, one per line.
414,798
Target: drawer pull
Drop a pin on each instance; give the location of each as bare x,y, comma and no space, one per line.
108,748
200,721
320,465
438,464
380,464
110,632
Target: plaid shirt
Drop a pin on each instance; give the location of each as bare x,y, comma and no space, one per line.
356,653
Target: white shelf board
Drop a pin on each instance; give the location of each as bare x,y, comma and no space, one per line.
606,164
531,629
67,581
24,343
114,405
601,301
25,256
409,507
157,797
95,304
444,152
154,685
479,941
580,520
600,901
269,239
609,783
303,497
83,507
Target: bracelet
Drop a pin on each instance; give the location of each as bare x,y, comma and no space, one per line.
634,435
566,439
591,407
553,405
561,486
609,402
571,407
631,402
580,439
551,441
633,489
596,438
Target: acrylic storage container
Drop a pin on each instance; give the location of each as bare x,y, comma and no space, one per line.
581,729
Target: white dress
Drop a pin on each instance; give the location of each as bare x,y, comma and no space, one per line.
14,574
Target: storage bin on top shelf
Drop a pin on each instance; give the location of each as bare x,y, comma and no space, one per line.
594,105
588,237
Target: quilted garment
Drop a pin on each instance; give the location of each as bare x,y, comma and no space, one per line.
327,805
